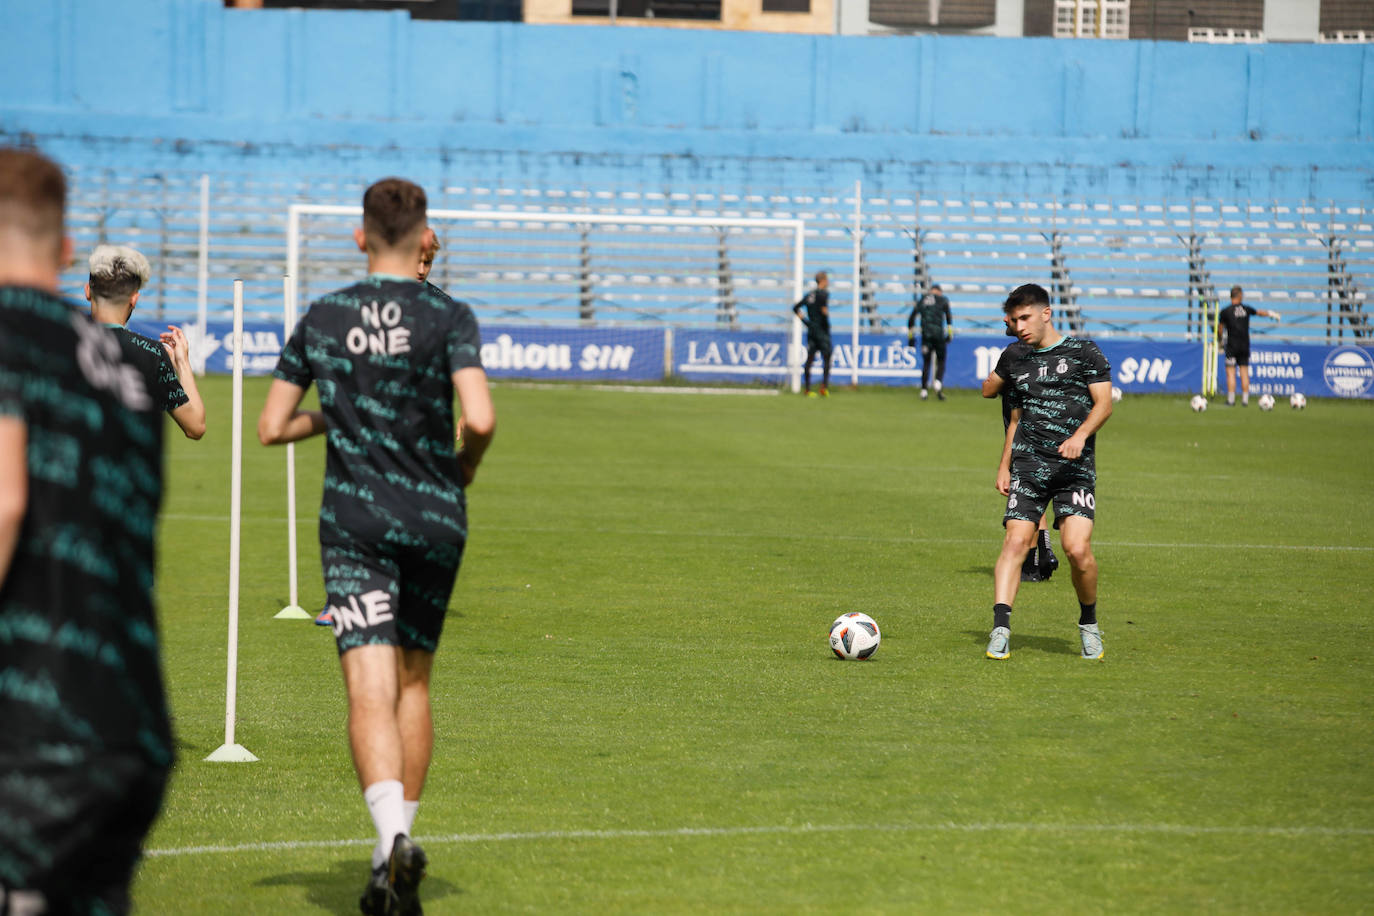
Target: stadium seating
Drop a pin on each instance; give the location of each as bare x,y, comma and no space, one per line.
1123,264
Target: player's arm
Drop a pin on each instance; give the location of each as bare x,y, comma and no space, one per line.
911,324
191,415
1101,392
993,384
1004,466
14,487
477,424
282,420
1270,313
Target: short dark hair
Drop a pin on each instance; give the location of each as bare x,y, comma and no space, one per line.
1236,291
934,287
1027,294
822,275
33,195
392,209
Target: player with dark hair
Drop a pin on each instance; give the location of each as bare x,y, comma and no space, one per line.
936,319
117,276
86,742
1061,395
1234,322
1040,562
817,321
387,355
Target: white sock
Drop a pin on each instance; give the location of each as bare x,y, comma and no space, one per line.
386,803
939,385
411,808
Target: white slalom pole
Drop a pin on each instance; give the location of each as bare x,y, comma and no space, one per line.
858,228
203,274
229,752
293,610
795,352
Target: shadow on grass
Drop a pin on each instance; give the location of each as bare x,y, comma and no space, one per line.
1054,645
335,888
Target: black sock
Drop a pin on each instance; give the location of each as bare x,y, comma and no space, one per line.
1001,616
1087,613
1045,538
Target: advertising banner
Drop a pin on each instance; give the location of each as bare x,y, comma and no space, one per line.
621,354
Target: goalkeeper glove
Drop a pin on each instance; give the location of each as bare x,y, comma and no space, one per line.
911,338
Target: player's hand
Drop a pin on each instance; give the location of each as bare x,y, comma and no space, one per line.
177,346
1072,447
949,333
1004,481
1276,316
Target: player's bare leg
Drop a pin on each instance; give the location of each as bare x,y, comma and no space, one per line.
372,678
1244,385
415,722
1075,536
1016,543
1230,384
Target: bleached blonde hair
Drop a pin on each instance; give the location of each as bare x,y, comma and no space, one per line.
117,272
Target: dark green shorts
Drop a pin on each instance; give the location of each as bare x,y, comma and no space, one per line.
389,594
1035,480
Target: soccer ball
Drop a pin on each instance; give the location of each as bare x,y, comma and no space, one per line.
1266,402
1198,403
854,636
1116,394
1298,401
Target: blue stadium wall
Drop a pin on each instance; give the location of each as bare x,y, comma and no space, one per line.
187,84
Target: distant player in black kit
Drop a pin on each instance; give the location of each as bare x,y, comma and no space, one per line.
86,743
1040,562
117,275
387,355
1061,394
933,311
817,321
1234,321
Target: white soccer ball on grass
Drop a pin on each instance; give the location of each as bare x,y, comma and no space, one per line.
1298,401
1266,402
1116,394
1198,403
854,636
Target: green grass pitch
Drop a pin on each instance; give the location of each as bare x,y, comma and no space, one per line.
637,711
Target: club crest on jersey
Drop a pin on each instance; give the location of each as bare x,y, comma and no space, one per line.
379,331
1063,366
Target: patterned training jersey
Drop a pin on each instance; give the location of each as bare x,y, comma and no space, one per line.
79,662
1050,386
382,354
817,314
1012,352
1235,321
151,359
933,312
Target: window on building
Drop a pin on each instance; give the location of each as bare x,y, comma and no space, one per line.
1092,18
650,9
787,6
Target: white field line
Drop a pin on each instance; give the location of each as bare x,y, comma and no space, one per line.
641,389
766,535
789,829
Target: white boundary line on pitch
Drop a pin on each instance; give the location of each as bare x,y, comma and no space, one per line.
641,389
536,836
654,532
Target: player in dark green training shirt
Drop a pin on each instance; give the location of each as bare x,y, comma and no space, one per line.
933,311
117,276
85,740
1061,395
817,320
1040,562
386,356
1233,323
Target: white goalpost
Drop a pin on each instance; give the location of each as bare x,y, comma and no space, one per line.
540,266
